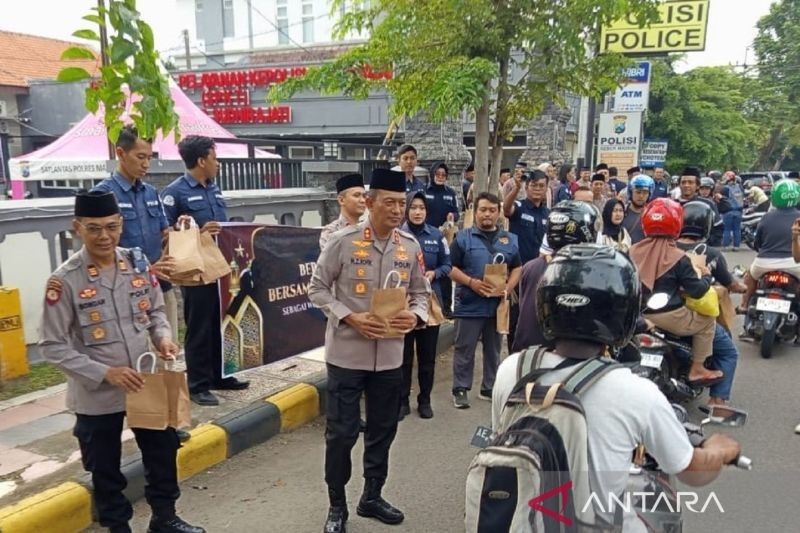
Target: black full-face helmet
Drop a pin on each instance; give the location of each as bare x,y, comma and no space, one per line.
572,222
589,292
698,220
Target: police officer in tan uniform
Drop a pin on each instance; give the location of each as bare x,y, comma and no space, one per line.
352,199
103,308
354,263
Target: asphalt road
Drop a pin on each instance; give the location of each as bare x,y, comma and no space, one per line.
278,486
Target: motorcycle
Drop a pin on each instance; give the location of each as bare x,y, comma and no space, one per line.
772,313
663,514
750,222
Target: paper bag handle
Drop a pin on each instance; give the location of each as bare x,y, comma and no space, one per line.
192,224
389,276
501,261
702,245
170,361
139,362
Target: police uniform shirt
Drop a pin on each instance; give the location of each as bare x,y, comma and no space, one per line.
327,231
142,213
414,185
349,269
97,321
441,201
661,190
435,252
616,185
527,222
186,196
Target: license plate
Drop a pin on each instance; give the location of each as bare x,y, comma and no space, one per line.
651,360
774,306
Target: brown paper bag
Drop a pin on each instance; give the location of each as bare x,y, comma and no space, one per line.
387,303
496,273
214,265
503,315
727,312
184,247
698,258
435,315
449,232
180,405
148,408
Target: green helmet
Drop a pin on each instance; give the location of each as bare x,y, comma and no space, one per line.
785,194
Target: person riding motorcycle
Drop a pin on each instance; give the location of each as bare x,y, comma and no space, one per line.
698,219
569,222
640,192
773,242
664,268
757,199
707,187
622,410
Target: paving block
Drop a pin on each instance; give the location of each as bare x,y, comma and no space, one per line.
298,404
37,429
252,425
207,447
67,507
14,459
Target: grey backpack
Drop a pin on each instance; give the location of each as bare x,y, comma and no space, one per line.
535,474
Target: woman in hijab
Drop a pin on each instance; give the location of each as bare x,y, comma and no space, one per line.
437,266
664,268
614,235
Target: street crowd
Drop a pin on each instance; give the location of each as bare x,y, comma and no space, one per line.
557,257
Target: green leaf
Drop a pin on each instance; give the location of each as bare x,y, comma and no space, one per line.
148,42
95,18
77,52
86,34
121,50
71,74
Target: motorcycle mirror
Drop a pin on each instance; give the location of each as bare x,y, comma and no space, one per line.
723,415
658,301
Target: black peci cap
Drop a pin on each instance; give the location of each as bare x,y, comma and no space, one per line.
96,204
349,181
691,171
387,180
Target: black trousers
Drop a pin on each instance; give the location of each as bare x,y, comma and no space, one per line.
99,437
447,294
425,340
382,397
513,319
203,343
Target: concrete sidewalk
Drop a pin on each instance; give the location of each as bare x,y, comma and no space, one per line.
43,486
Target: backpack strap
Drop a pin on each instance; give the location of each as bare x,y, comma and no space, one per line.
588,373
529,360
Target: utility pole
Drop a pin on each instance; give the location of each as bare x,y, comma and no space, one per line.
186,47
250,23
101,7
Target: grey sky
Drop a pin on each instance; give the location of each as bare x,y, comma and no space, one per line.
731,24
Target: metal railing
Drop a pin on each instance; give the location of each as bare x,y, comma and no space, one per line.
252,174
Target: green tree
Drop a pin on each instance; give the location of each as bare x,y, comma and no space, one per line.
133,69
703,114
448,56
777,47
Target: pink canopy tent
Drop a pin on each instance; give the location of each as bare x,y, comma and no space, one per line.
82,152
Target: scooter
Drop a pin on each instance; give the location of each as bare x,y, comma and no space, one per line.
750,220
657,502
772,313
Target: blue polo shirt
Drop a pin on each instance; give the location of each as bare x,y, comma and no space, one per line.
441,200
661,190
185,196
142,213
527,222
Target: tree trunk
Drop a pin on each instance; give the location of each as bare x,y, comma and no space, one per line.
482,143
500,124
784,154
765,155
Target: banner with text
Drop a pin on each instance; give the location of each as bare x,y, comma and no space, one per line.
265,311
618,139
634,94
654,152
681,27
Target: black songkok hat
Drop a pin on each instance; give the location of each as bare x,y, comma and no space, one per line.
691,171
96,204
387,180
634,170
598,177
601,166
349,181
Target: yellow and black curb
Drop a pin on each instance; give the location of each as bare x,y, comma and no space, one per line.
68,507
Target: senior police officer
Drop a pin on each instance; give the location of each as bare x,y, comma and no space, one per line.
103,307
352,199
476,302
359,360
197,195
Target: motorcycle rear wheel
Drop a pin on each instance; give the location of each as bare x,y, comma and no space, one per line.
767,342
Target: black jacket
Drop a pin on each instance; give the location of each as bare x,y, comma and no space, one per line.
679,279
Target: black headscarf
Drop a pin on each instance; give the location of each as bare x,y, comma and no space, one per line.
410,197
609,228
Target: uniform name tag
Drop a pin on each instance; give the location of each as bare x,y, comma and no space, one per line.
152,202
529,218
194,198
124,204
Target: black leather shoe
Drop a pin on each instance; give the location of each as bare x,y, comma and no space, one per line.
183,435
425,410
231,384
372,505
204,398
172,525
337,520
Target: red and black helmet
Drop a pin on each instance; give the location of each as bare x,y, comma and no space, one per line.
662,218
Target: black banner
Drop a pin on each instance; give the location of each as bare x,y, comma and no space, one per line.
266,314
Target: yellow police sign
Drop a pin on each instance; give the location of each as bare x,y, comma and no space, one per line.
681,27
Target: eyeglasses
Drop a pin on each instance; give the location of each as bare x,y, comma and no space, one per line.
95,230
